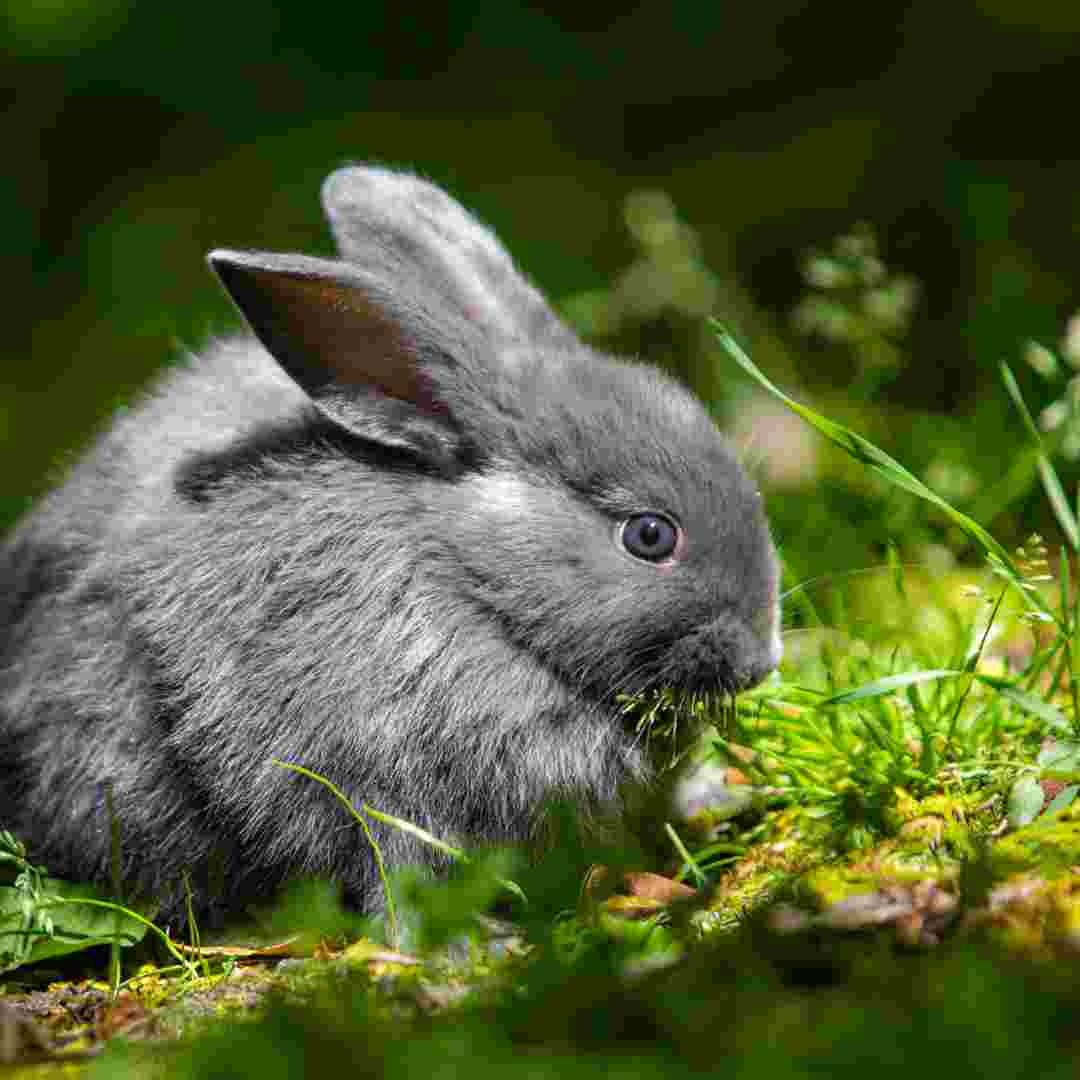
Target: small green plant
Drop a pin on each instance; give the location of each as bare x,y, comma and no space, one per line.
858,727
42,917
456,854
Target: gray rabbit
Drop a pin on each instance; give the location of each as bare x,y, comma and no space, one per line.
415,537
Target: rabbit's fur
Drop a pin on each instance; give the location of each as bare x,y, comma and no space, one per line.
384,543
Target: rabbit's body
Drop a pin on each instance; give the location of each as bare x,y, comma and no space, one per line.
392,547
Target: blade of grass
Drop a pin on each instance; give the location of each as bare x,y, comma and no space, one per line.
1064,580
393,930
1028,703
970,665
433,841
688,860
110,906
881,736
865,452
116,876
1064,574
1047,473
1039,663
881,687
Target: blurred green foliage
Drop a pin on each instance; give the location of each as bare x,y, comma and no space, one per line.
755,1006
138,135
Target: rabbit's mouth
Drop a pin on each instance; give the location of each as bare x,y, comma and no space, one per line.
725,657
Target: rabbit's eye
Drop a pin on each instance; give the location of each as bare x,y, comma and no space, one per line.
649,536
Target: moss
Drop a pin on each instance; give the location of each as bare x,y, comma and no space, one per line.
794,843
805,856
829,885
1049,846
1029,915
1032,899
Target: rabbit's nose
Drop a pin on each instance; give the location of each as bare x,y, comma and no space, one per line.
756,671
749,653
766,626
726,655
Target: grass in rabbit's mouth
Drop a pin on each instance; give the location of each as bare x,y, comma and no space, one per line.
668,722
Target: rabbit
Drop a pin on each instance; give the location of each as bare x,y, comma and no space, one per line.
412,535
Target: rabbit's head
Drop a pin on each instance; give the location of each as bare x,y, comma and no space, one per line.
586,508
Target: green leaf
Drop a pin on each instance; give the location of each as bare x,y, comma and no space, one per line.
881,687
32,932
1025,801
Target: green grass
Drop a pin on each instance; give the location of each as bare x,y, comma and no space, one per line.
899,686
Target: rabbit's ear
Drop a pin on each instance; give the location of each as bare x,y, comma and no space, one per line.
337,330
381,217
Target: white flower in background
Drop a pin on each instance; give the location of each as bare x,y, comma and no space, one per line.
1062,416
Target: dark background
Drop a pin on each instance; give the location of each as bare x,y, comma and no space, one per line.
136,136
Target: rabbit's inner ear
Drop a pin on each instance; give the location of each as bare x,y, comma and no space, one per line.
328,335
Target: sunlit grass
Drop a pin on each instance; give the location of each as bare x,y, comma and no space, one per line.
902,684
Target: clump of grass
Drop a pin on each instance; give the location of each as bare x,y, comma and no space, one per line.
856,725
43,917
668,721
902,714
